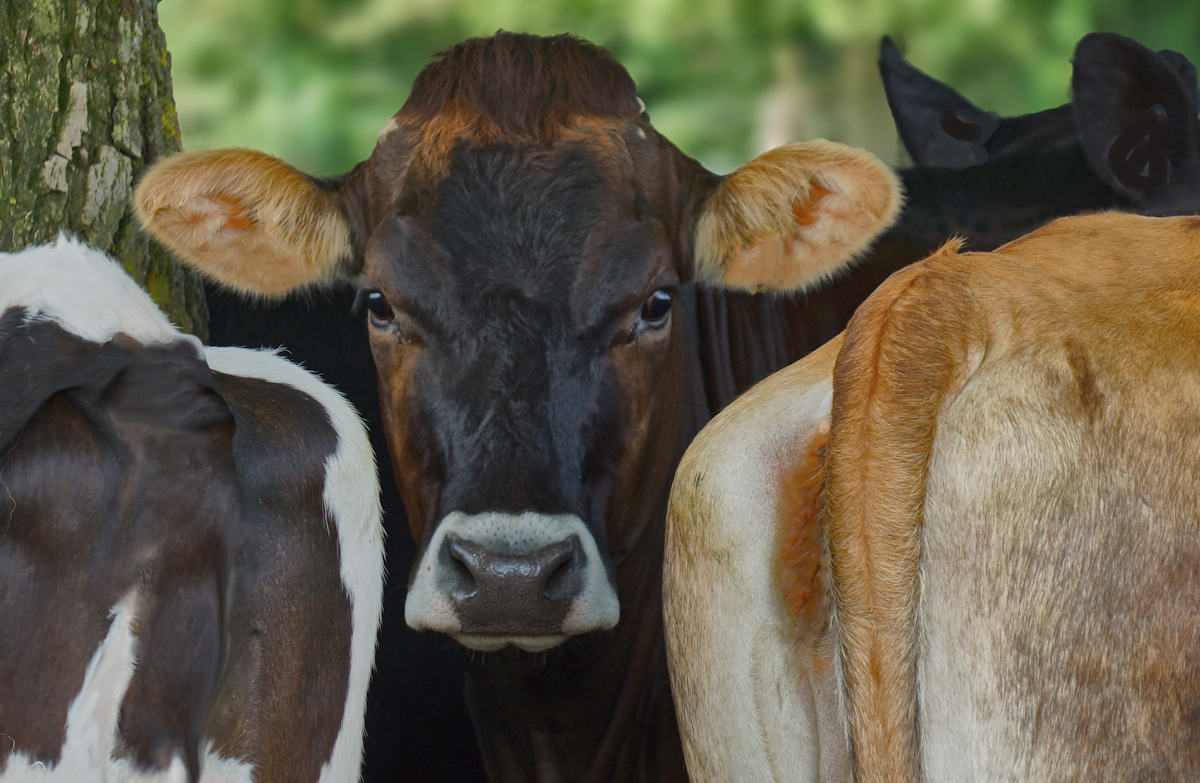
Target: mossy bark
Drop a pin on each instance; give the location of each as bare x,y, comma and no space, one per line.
85,107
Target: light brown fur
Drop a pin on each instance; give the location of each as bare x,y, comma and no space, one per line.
903,354
1013,494
801,529
793,216
1049,614
424,151
245,219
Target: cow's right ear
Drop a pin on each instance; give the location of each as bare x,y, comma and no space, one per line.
245,219
1115,84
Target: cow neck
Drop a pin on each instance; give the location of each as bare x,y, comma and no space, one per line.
596,709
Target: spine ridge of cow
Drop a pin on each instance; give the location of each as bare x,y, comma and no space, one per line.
904,355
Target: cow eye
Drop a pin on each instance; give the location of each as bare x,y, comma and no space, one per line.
377,303
656,308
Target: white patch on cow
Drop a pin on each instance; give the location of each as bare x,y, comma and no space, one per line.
352,500
387,129
92,716
123,770
597,607
752,704
213,769
83,291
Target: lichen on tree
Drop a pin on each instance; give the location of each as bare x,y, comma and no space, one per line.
85,106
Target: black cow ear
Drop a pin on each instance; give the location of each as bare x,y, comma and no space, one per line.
1136,114
1186,71
917,100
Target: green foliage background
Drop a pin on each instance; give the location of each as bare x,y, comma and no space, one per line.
313,80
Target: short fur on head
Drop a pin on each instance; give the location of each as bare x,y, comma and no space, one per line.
793,216
219,209
566,77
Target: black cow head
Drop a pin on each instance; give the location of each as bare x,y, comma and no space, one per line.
521,234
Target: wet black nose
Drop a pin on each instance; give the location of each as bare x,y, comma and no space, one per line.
518,594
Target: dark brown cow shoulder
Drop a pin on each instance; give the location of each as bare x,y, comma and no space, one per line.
190,553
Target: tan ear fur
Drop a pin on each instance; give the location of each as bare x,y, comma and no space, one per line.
245,219
793,216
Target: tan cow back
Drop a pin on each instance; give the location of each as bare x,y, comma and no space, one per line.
1014,493
1012,512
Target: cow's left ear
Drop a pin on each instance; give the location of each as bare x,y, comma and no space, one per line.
793,216
246,219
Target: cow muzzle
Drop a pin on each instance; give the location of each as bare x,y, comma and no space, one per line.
529,580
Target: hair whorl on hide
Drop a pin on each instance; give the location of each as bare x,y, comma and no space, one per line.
522,86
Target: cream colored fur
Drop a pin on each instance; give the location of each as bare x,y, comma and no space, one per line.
754,702
1013,491
793,216
245,219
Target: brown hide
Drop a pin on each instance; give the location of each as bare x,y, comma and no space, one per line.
190,558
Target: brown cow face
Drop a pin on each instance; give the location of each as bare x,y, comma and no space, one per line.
523,320
520,234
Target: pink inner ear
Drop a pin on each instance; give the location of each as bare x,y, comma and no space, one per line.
803,210
222,217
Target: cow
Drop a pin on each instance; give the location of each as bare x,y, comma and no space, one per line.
741,338
801,528
1002,450
191,554
417,725
527,245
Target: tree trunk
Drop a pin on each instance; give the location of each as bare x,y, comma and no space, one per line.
85,106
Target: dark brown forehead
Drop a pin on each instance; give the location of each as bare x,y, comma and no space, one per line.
513,91
521,88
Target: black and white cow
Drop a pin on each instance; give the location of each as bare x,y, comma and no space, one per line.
191,555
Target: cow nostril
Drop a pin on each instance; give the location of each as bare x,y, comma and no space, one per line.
464,577
558,571
461,558
554,583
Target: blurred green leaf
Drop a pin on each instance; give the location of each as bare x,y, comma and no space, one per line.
313,80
